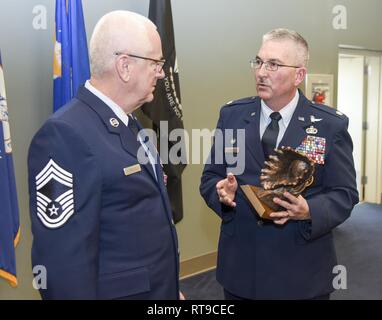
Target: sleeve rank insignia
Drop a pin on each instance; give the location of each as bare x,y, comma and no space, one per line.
55,198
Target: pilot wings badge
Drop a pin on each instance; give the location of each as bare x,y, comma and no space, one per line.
55,198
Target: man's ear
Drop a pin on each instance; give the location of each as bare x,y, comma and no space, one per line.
123,69
300,75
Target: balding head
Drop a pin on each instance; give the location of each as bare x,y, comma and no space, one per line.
118,31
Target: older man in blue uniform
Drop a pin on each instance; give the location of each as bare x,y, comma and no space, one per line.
101,217
291,256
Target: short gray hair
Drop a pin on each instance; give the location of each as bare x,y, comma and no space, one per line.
281,34
114,32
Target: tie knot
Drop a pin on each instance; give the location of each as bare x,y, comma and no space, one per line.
275,116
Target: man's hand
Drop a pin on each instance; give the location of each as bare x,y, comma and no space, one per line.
297,208
181,296
226,190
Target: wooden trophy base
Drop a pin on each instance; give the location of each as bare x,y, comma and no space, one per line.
252,193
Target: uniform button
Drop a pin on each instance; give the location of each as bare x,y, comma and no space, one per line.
260,223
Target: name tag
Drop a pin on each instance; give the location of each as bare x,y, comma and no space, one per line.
231,150
132,169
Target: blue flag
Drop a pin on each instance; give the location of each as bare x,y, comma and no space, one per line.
9,211
71,60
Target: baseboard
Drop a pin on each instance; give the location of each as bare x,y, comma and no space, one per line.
196,265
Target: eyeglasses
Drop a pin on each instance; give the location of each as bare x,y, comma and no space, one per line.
158,63
269,65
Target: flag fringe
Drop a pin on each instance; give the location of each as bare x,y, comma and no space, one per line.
17,238
9,277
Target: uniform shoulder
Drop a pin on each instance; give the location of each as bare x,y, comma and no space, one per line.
74,112
241,101
70,120
328,110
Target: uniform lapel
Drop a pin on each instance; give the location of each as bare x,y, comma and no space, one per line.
294,135
296,131
128,139
155,155
162,186
252,133
159,174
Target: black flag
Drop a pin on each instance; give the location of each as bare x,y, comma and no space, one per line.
166,105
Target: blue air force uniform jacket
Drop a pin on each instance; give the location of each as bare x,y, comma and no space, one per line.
259,259
101,222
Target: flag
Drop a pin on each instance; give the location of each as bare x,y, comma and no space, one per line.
166,105
71,59
80,56
61,60
9,212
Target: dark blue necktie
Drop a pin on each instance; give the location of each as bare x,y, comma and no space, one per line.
270,135
133,125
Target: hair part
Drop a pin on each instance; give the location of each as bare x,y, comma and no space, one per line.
282,34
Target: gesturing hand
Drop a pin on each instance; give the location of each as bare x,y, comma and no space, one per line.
226,190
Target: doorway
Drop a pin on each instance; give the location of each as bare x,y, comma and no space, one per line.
359,97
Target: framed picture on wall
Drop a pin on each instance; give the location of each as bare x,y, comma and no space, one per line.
319,88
